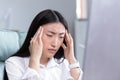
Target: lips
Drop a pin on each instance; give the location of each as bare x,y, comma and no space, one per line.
52,50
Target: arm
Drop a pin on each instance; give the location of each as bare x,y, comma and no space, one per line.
16,70
69,55
75,70
35,48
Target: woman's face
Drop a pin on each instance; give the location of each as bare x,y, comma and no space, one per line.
53,36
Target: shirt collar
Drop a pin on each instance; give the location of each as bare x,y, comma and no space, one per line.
52,63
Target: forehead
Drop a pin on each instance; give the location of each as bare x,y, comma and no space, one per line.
55,27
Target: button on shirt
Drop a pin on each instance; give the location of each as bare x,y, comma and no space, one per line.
18,69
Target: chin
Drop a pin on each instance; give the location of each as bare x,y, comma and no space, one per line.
50,56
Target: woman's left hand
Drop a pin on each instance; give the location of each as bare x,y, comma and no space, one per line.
69,48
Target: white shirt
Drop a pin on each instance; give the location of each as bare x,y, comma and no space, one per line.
18,69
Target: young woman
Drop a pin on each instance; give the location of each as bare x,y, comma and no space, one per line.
47,53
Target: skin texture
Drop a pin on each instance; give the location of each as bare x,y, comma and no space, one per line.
46,43
53,36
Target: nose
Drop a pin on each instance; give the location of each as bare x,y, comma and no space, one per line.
55,42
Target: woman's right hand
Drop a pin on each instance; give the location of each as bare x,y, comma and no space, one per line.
36,47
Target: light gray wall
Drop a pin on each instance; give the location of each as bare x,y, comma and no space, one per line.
103,43
21,12
80,39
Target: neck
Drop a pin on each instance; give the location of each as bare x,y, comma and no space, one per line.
44,60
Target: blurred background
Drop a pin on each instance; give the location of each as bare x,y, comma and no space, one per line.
94,25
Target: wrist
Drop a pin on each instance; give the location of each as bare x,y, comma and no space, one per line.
74,65
34,65
34,61
72,60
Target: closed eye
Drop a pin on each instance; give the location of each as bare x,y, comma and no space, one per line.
61,37
49,35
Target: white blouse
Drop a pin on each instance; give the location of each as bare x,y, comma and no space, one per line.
17,69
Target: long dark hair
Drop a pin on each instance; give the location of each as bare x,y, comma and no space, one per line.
44,17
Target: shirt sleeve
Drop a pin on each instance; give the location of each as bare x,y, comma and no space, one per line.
66,73
17,72
30,74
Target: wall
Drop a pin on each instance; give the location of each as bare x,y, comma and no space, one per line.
80,39
103,42
19,13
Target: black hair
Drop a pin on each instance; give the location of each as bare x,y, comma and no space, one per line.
44,17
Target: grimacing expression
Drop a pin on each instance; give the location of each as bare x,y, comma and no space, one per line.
53,36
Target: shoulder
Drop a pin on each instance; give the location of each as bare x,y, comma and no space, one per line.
16,60
16,65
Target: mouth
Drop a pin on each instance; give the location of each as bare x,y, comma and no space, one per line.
52,50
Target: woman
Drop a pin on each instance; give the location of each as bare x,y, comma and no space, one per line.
47,53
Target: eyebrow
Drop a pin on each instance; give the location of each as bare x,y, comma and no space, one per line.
55,33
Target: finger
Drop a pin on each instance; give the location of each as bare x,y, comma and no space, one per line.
71,39
63,45
41,32
40,35
67,37
36,34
